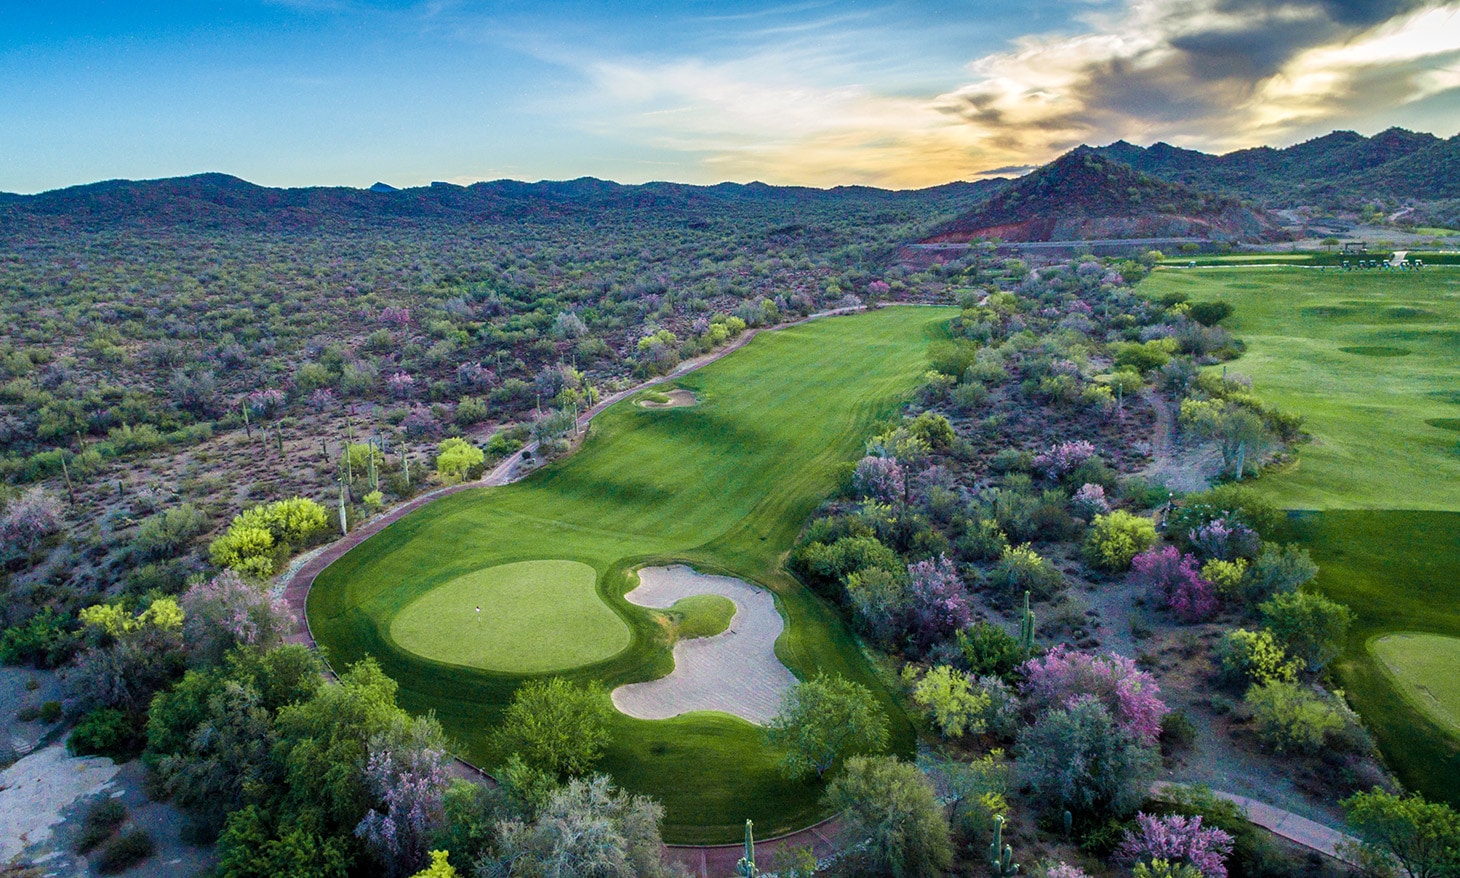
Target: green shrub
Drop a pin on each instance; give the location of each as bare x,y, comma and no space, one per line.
1255,657
102,820
1210,313
105,732
1117,537
1022,569
1291,718
990,650
43,641
124,852
1312,626
982,540
260,537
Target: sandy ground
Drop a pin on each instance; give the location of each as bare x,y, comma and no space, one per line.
734,672
678,398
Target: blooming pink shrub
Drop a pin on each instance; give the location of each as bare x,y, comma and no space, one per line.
226,612
1177,839
400,385
939,601
1225,540
1063,458
1090,500
411,785
880,477
1174,577
26,522
265,402
879,288
322,399
395,316
1063,675
1064,870
420,423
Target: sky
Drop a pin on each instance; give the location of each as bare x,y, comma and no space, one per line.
893,94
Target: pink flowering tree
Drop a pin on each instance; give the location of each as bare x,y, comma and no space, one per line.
265,402
1090,500
420,423
880,477
1177,839
1063,675
322,399
225,612
472,375
939,602
26,523
398,317
1225,539
400,385
879,288
409,784
1174,577
1062,459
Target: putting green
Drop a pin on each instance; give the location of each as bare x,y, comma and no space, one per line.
702,615
534,617
1423,666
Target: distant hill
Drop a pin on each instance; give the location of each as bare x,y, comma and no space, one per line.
1339,167
1085,195
221,201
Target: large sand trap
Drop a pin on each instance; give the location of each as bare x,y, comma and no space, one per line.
734,672
37,789
678,398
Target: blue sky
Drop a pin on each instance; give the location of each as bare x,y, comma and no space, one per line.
303,92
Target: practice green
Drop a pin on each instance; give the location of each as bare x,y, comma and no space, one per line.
1425,667
523,618
725,486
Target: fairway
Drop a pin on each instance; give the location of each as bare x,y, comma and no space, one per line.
1368,359
1424,666
724,485
523,618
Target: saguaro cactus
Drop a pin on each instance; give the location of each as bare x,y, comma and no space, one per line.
746,867
1001,856
1026,627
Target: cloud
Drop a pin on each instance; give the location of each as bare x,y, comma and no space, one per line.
1209,73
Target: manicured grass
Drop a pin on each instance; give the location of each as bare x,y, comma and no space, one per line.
725,486
1423,667
701,615
525,618
1435,231
1368,358
1400,571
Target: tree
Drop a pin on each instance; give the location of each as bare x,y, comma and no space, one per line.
1117,537
1290,717
1312,626
440,867
226,612
1255,657
226,754
586,828
1063,677
455,457
950,700
890,808
821,720
938,601
1177,838
1078,759
556,726
1409,835
409,780
1238,431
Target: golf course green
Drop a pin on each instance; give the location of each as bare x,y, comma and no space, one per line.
525,618
1368,358
724,486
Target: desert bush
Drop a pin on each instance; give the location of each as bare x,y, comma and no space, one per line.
1174,579
101,822
1177,838
1255,658
260,537
1291,718
456,459
890,810
1064,676
981,540
951,701
1077,758
1022,569
1116,538
167,533
105,732
990,650
43,641
1311,626
124,852
1276,570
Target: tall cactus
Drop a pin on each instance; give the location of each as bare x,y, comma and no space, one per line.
1001,856
746,867
1026,627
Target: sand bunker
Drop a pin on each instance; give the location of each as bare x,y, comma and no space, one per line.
37,789
736,672
677,398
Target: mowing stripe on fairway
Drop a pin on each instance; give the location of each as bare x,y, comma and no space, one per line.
525,618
